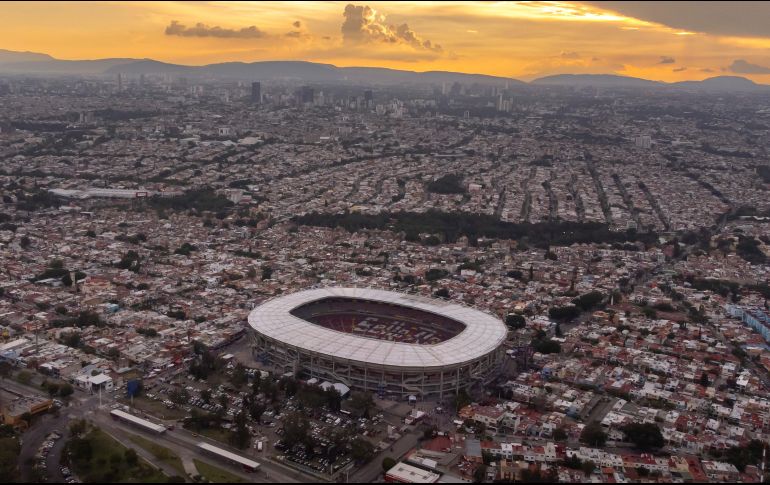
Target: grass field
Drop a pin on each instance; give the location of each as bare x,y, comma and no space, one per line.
216,434
155,408
215,474
98,458
161,453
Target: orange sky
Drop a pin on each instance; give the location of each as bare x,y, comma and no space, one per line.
516,39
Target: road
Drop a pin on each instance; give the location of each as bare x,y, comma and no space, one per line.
184,444
372,470
33,438
180,441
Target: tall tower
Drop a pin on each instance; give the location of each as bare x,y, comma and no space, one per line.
256,92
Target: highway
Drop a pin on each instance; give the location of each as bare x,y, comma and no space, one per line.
180,441
184,444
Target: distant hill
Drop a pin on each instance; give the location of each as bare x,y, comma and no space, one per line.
59,67
31,63
13,56
723,83
307,72
597,80
714,84
12,62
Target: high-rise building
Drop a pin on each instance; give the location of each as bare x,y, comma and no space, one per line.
306,94
256,92
643,141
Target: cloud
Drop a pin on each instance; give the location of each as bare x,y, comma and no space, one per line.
706,69
740,66
363,24
679,69
297,24
667,60
736,18
203,30
569,55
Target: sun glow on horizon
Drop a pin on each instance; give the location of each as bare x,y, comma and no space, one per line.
517,39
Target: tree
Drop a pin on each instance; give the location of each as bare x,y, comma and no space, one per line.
645,436
515,274
5,369
239,377
559,434
462,399
740,456
435,274
9,458
704,380
649,312
296,430
206,396
588,300
240,436
515,322
546,346
593,435
25,377
131,458
179,396
267,273
387,464
480,473
78,427
362,402
564,313
52,388
361,450
66,390
588,467
572,462
256,410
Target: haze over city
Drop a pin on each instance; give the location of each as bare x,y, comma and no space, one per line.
412,242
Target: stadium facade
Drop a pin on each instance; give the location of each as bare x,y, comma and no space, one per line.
389,343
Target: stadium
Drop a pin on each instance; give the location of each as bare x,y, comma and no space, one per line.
394,344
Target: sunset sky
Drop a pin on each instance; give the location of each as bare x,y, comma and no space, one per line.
667,41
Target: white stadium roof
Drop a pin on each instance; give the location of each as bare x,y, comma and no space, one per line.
483,332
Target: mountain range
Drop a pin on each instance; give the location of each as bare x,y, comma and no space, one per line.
12,62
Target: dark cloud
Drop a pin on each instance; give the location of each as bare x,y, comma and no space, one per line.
667,60
203,30
679,69
297,24
363,24
742,19
706,69
740,66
